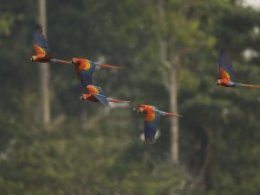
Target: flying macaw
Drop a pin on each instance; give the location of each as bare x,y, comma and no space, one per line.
85,69
95,94
42,49
226,73
151,120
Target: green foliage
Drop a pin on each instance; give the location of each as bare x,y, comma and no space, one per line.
90,150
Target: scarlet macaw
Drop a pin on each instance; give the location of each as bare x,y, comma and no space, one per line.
95,94
151,120
42,49
226,73
85,69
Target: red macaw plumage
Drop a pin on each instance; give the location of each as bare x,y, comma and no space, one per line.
85,69
42,50
95,94
226,73
151,120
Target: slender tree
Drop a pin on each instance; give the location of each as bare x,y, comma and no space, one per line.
177,27
44,72
169,64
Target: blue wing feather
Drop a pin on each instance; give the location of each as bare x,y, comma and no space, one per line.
102,99
225,63
151,127
86,75
101,96
40,40
149,131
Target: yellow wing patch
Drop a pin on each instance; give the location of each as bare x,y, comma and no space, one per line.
85,65
92,89
39,50
224,75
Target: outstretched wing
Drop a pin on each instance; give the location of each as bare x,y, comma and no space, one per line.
87,74
162,113
97,92
150,128
102,99
39,41
109,66
85,70
225,68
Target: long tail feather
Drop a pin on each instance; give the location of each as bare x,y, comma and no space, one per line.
249,86
117,101
173,114
60,61
109,66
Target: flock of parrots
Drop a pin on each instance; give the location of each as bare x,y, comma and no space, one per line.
85,69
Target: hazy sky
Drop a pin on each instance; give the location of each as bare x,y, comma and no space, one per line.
253,2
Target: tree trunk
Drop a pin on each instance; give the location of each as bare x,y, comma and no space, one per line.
174,120
44,73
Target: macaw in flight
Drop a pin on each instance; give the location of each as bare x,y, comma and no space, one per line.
226,73
95,94
151,120
85,69
42,49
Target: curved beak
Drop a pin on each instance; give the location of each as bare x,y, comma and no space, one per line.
218,82
32,59
81,97
136,109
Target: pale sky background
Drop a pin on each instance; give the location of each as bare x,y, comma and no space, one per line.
253,2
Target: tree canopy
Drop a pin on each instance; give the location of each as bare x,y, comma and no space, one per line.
92,150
